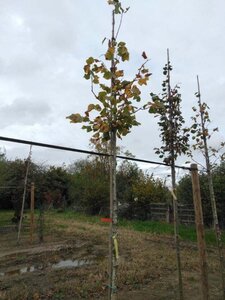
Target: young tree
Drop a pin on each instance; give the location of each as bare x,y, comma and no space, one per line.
114,114
201,135
174,141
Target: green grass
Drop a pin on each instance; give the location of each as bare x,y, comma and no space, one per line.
5,217
186,233
72,215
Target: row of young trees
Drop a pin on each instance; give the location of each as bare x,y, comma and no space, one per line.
115,115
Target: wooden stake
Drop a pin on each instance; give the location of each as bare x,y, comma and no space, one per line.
200,232
24,194
32,213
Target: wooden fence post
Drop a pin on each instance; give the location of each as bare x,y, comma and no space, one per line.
200,231
32,212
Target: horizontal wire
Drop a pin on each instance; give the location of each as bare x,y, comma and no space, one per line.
26,142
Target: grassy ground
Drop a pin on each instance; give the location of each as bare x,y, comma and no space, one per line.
186,233
147,268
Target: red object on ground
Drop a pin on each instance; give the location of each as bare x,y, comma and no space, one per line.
106,220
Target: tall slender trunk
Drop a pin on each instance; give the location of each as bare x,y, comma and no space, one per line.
173,177
176,230
113,257
113,244
211,192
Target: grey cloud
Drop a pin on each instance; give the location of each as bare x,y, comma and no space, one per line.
44,44
24,112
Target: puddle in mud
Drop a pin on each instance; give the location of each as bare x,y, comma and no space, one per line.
68,263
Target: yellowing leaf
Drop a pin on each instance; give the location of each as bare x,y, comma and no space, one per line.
75,118
143,81
123,51
128,92
119,73
110,53
96,126
135,90
104,127
86,68
90,107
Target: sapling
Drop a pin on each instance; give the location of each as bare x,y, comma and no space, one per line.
174,142
113,115
201,135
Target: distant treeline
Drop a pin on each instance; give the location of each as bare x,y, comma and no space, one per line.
84,186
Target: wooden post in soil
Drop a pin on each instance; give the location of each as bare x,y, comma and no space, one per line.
32,212
200,232
218,234
24,193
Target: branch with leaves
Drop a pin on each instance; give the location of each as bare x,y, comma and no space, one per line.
174,137
115,108
201,133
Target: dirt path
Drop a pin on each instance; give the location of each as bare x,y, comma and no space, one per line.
147,267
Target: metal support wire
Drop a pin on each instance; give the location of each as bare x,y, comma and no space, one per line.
26,142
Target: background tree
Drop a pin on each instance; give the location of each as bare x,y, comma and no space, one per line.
55,187
201,135
137,190
89,187
174,141
184,193
115,114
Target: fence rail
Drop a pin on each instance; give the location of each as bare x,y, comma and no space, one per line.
160,211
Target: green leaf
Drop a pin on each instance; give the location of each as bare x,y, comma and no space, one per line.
87,76
107,75
90,60
88,128
95,79
98,107
102,96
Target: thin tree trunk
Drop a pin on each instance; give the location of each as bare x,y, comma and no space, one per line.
176,231
211,192
200,232
32,212
173,177
113,244
113,227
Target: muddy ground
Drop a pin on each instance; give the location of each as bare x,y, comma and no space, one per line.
72,264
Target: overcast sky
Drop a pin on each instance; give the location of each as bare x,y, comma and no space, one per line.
43,47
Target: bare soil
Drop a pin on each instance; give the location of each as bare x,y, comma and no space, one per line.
147,268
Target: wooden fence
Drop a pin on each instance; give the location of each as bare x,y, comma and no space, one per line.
161,211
